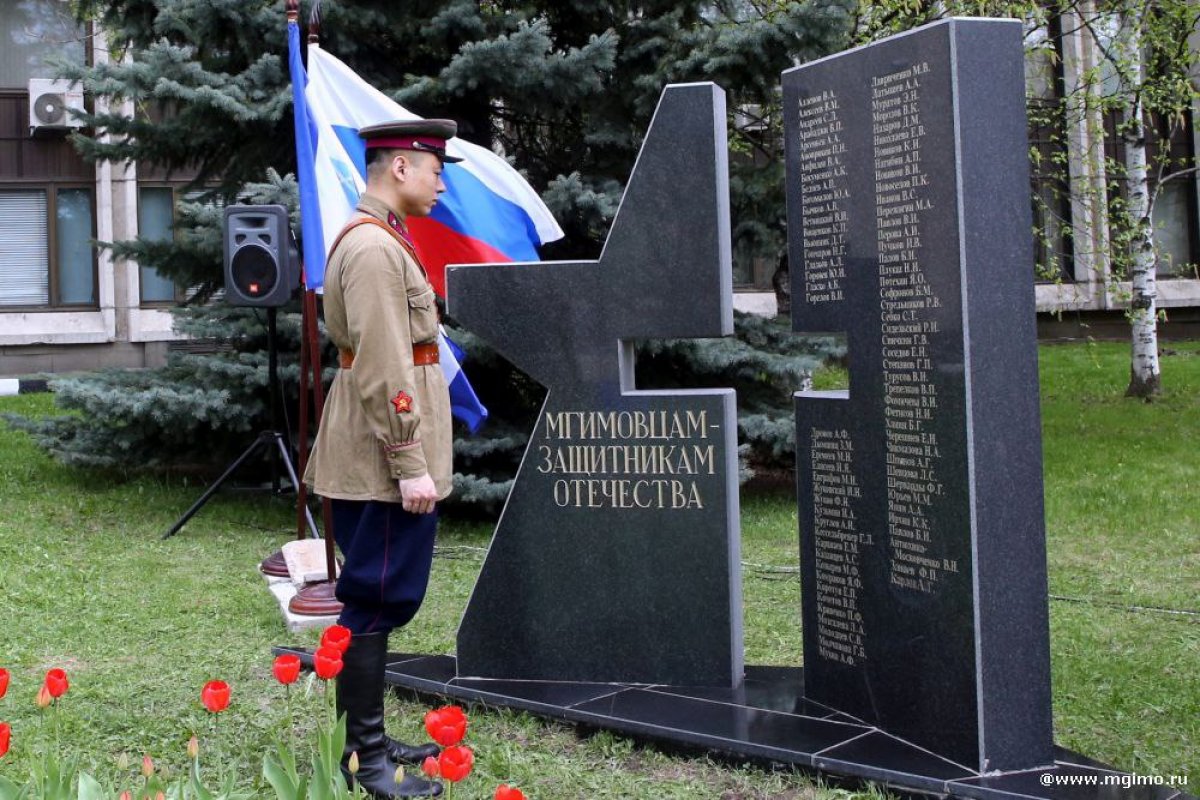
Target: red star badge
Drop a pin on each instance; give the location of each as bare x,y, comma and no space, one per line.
402,402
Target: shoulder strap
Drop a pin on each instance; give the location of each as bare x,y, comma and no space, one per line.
354,223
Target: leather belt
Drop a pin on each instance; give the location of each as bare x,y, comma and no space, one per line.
424,354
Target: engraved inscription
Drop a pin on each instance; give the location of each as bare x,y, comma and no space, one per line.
836,497
628,459
908,331
825,197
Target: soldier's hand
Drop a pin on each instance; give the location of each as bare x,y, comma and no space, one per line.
418,495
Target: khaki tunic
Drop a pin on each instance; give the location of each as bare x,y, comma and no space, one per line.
385,418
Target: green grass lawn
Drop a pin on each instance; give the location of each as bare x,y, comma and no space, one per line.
140,624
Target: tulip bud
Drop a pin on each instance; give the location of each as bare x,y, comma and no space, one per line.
123,762
399,776
43,697
352,765
160,796
147,766
126,795
193,748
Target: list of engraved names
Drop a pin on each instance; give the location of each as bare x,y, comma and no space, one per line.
908,308
836,495
825,197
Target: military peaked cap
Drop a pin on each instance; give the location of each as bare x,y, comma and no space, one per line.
424,135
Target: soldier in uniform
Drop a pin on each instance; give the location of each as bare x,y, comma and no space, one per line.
382,452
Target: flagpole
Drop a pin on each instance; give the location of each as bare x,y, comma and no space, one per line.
316,599
314,22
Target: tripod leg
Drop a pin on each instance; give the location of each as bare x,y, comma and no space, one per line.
286,458
232,468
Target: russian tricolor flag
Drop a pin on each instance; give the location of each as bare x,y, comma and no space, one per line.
488,213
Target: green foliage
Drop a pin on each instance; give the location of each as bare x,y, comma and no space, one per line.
766,363
197,411
325,782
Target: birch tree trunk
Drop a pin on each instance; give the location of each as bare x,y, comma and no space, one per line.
1144,373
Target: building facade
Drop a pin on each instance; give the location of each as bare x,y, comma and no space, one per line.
65,303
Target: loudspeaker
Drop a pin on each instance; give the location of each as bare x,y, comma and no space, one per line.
262,267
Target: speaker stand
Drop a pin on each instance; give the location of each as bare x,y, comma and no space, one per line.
273,440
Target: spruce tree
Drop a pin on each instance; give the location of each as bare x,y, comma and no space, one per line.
564,90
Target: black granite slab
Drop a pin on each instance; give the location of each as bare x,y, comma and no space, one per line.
765,687
747,724
540,697
881,757
621,531
923,567
728,727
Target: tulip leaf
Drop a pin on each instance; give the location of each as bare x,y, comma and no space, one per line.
339,738
8,789
198,787
321,787
90,788
285,784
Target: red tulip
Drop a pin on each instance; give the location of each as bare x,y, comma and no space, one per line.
456,763
5,737
336,636
447,725
215,696
327,661
56,683
3,681
287,668
430,767
506,792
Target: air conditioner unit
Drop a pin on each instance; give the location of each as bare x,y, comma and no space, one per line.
50,104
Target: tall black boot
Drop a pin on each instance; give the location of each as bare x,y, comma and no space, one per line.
414,754
360,698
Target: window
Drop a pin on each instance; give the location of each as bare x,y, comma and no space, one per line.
156,221
1048,147
34,33
25,280
73,243
47,248
1169,150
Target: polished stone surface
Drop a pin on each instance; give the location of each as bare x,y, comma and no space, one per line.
749,723
728,727
622,528
878,756
542,697
923,567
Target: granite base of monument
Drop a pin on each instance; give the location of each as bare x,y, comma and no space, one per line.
765,719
